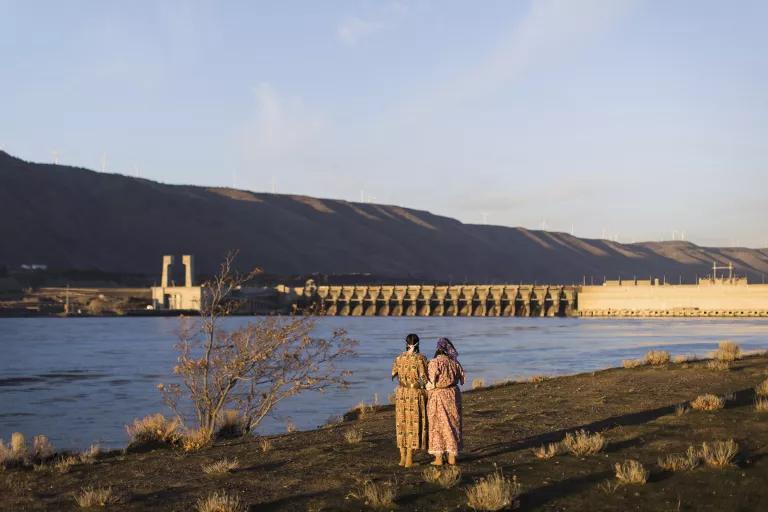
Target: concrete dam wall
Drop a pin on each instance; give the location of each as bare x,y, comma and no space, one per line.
724,298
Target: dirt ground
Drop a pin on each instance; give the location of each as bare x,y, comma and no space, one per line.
316,470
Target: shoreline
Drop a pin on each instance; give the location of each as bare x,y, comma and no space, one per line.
317,469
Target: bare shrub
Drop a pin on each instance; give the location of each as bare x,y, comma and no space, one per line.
719,453
680,462
221,467
582,443
708,402
444,476
727,351
252,368
195,440
761,404
91,454
632,363
265,444
220,502
494,492
353,435
547,451
90,497
631,472
478,383
657,357
718,365
154,429
375,495
762,388
42,448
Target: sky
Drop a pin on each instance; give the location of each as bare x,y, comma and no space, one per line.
634,120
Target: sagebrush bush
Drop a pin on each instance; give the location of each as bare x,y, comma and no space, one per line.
230,423
375,495
220,502
195,440
708,402
42,448
444,476
631,472
154,429
90,497
494,492
727,351
680,462
632,363
719,454
582,443
717,364
91,454
478,383
657,357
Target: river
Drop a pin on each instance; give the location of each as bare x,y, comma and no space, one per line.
81,380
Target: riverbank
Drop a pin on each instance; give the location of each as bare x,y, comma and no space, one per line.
634,409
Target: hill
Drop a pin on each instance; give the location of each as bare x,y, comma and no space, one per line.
74,218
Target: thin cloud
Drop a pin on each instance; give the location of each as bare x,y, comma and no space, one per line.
353,29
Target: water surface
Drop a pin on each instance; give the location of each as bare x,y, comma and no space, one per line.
80,380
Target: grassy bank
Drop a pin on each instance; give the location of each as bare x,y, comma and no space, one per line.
643,413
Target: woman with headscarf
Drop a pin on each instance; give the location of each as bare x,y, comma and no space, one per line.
410,368
444,404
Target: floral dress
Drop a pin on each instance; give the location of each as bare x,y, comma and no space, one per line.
444,405
410,400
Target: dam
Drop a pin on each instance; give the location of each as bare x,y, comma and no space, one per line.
709,297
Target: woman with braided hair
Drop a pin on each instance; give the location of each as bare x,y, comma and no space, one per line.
410,368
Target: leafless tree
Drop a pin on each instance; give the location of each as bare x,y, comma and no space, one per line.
252,368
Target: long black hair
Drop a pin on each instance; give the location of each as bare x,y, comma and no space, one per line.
412,340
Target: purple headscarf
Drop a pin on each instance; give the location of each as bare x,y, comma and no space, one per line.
447,347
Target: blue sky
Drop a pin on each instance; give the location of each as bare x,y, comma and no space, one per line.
627,119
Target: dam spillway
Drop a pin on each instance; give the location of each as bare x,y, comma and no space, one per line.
629,298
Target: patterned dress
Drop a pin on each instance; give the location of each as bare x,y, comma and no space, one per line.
444,405
410,400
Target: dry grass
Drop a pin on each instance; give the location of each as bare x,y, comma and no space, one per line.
727,351
681,409
353,435
682,359
761,404
221,467
535,379
153,429
42,448
494,492
195,440
708,402
265,444
762,388
478,383
657,357
290,427
680,462
632,363
91,454
718,365
64,464
719,454
582,443
230,423
376,495
631,472
444,476
220,502
547,451
91,497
